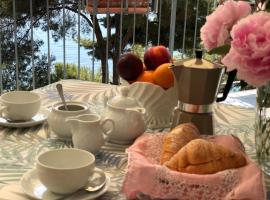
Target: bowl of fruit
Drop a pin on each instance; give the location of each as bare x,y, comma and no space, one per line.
150,82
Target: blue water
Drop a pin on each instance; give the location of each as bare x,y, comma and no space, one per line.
57,50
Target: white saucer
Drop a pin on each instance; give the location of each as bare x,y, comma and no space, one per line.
32,186
37,119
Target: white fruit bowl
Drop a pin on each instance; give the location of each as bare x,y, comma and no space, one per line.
159,103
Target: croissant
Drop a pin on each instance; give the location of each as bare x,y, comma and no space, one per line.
203,157
176,139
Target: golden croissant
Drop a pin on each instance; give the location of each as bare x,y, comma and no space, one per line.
203,157
176,139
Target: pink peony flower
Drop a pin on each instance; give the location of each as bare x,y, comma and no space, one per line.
216,30
250,49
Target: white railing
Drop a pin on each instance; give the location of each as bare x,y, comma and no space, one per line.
153,8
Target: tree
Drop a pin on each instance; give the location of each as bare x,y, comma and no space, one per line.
140,31
23,20
72,71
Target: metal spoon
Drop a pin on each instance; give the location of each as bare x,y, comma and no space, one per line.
96,181
59,88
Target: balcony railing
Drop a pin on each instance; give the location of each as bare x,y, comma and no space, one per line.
173,23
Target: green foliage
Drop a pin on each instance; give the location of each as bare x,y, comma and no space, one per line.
41,72
25,59
138,49
222,50
152,34
88,44
57,31
72,73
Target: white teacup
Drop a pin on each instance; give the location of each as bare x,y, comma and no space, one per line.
65,171
19,105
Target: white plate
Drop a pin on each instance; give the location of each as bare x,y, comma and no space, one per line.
37,119
32,186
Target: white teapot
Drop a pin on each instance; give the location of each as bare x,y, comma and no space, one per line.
128,117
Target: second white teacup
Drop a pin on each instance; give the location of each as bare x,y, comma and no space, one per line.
19,105
65,171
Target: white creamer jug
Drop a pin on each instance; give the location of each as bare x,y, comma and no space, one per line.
88,132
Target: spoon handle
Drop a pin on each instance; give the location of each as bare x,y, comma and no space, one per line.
59,88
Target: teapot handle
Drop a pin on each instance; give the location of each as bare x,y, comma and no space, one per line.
231,77
102,124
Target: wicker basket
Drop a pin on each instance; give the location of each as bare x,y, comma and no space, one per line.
130,6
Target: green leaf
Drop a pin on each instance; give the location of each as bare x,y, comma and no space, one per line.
222,50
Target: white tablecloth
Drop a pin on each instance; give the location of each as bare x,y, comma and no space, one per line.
20,147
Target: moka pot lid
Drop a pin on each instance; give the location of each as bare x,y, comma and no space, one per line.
200,63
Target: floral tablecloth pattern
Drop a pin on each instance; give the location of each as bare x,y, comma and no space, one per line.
20,147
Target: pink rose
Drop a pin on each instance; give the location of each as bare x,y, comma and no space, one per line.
216,30
250,49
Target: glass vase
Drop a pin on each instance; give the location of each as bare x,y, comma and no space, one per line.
262,127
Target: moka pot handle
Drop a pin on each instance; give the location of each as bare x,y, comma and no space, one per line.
231,77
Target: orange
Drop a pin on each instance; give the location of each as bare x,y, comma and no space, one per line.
146,76
163,76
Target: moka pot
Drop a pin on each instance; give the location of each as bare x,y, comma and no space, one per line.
197,82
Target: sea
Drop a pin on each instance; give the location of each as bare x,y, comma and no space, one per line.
71,51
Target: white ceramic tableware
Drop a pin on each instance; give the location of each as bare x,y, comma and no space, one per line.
157,102
58,115
19,105
88,132
128,117
65,171
39,118
32,186
96,181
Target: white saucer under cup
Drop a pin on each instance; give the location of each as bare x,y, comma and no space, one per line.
32,187
39,118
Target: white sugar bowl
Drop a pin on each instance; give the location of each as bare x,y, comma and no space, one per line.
128,117
57,117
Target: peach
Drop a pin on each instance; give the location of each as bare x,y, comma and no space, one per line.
129,66
155,56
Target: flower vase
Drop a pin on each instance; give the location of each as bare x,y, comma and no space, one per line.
262,127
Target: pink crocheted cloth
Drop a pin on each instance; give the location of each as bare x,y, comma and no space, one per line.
146,176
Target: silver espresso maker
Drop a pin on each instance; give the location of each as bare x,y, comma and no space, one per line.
197,82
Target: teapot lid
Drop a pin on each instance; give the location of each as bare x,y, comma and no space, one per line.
122,100
198,62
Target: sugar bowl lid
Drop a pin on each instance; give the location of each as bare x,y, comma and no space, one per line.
123,100
199,62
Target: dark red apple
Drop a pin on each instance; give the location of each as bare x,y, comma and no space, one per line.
155,56
129,66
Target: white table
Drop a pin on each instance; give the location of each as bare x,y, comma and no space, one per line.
20,147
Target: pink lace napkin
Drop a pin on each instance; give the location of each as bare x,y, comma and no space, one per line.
146,176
